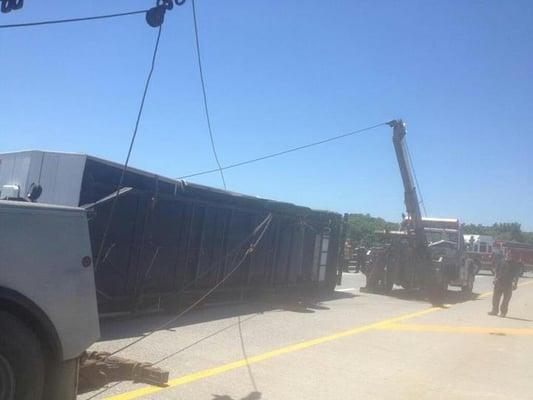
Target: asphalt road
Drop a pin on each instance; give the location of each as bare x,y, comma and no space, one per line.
351,345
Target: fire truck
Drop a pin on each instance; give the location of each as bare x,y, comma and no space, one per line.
480,248
520,253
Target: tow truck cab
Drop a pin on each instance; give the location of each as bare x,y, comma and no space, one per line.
446,244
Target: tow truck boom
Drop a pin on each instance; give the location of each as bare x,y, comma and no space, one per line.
413,220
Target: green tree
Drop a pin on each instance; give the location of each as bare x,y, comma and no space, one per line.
501,230
361,229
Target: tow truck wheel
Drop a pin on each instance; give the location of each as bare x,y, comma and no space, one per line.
388,282
477,268
7,380
469,287
437,291
21,361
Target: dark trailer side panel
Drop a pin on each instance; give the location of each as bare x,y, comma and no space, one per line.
171,241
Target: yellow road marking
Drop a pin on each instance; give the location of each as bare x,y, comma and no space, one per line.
134,394
456,329
268,355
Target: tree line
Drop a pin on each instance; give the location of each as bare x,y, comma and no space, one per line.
361,230
501,230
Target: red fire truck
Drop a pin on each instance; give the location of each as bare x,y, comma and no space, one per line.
521,253
480,249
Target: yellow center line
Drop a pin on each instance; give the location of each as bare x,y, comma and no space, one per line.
266,356
195,376
456,329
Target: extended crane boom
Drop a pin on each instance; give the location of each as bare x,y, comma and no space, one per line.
413,220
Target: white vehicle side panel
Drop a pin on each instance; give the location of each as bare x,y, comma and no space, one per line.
41,248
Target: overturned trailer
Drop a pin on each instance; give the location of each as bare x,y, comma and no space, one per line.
170,241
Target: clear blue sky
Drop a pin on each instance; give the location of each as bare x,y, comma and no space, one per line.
283,73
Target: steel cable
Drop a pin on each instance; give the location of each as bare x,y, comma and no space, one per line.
181,350
264,224
280,153
416,179
206,108
132,142
80,19
232,253
260,230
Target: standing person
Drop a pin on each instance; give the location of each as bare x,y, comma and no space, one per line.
361,258
505,281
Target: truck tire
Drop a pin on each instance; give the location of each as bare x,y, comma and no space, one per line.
477,268
437,291
21,361
469,287
388,280
62,380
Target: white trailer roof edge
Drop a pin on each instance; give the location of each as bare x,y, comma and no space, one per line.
173,181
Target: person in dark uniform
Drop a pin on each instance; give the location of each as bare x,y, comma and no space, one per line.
361,258
505,281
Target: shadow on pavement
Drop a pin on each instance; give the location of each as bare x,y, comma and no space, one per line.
519,319
251,396
135,325
452,297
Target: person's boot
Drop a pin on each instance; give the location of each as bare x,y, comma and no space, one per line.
493,312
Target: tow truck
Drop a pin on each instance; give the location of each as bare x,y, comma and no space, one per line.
425,253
